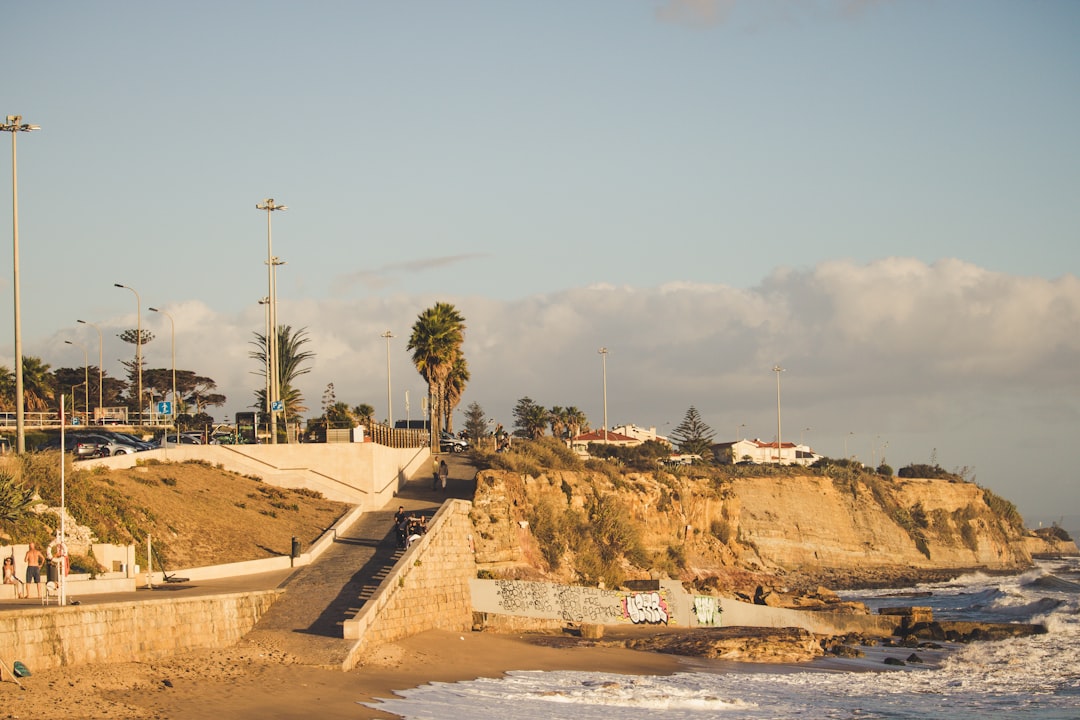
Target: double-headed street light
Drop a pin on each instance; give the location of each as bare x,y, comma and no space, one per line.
172,327
86,380
14,124
138,343
100,362
271,341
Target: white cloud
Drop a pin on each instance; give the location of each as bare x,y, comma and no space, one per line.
980,365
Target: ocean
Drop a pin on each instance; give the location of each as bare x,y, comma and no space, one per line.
1030,678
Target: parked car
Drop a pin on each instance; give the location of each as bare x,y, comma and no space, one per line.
173,440
449,443
78,447
107,445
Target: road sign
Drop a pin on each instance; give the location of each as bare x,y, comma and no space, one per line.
164,407
277,405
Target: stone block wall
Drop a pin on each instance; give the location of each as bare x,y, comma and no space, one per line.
52,637
427,588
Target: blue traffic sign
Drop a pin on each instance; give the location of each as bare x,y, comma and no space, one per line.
164,408
277,405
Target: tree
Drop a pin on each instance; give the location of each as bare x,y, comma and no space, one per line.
435,342
530,419
475,422
133,336
453,390
38,385
364,413
576,422
291,359
557,417
693,436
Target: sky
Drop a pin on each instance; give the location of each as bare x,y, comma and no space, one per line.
882,198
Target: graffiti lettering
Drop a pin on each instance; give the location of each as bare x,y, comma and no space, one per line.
521,596
706,610
646,608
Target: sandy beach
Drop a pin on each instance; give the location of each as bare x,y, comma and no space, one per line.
241,683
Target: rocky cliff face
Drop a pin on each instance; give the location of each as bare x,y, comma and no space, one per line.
594,527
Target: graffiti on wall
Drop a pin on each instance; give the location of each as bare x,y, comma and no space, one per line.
646,608
522,596
706,610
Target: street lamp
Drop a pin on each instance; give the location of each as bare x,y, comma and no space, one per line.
100,362
270,206
14,125
86,380
389,401
138,342
603,356
850,434
779,452
172,327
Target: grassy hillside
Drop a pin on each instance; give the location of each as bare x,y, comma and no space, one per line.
196,514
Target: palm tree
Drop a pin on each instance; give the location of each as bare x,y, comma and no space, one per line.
453,390
557,418
38,384
290,366
437,336
576,422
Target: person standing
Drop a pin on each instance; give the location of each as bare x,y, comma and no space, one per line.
434,472
34,560
444,472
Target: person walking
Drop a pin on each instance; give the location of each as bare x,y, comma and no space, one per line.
434,472
34,560
444,472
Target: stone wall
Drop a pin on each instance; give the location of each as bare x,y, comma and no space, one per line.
52,637
427,588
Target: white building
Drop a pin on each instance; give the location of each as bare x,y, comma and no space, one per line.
760,452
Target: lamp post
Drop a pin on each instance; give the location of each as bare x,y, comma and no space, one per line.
270,206
100,362
779,452
172,328
86,380
850,434
14,125
138,342
603,356
389,401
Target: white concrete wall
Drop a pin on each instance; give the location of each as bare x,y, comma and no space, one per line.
365,474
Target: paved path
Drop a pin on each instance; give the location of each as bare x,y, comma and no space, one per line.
306,622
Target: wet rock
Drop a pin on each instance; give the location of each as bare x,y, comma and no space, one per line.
894,661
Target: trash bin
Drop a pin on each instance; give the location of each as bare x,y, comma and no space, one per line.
295,553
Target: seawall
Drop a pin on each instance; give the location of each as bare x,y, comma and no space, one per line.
52,637
521,605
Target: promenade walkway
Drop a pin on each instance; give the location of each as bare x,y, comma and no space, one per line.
306,622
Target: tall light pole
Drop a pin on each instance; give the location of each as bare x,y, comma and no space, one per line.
138,342
172,328
603,356
779,451
389,401
100,362
270,206
86,379
14,125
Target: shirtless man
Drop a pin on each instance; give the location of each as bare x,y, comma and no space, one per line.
34,560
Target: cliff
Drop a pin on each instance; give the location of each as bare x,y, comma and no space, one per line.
606,527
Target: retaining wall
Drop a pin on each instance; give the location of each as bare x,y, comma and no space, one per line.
365,474
53,637
515,604
427,588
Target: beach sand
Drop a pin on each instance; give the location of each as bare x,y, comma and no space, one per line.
241,683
